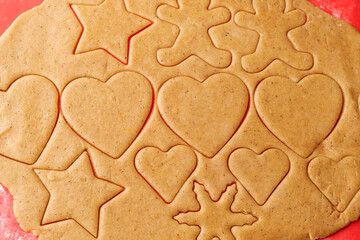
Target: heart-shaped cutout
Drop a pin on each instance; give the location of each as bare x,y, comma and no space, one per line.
166,172
108,115
29,110
300,114
204,114
260,174
339,181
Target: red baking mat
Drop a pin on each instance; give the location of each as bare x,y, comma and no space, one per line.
348,10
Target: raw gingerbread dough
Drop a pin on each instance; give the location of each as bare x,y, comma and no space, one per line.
166,119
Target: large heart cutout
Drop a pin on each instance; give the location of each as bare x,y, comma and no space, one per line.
28,110
204,114
108,115
300,114
259,174
339,181
167,171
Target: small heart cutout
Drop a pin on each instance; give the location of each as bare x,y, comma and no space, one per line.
339,181
300,114
166,172
28,110
204,114
108,115
259,174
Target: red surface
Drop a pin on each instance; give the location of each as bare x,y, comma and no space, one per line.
348,10
9,227
351,232
11,9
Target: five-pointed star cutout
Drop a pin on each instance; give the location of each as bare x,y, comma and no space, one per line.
108,26
215,218
76,194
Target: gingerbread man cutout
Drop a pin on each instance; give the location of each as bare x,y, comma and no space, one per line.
194,19
273,25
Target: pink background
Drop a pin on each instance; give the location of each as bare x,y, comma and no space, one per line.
348,10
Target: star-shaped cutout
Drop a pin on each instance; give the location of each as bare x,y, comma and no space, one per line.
77,194
273,25
194,19
108,26
215,218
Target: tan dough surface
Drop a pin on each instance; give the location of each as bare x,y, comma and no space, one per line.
180,119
